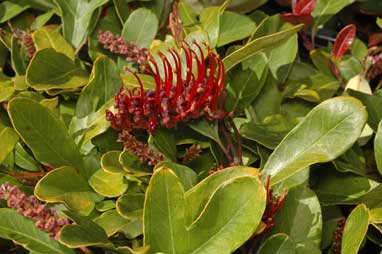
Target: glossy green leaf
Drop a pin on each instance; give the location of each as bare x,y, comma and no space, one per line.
47,37
22,231
277,244
44,133
258,45
110,162
112,222
166,228
76,16
132,164
50,69
270,132
65,185
186,175
103,84
234,27
325,9
373,103
210,21
341,119
24,160
10,9
8,139
339,188
130,205
84,233
164,140
108,184
355,230
378,148
243,87
90,126
199,195
18,57
141,27
300,217
41,20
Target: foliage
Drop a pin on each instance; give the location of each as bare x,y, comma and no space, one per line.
190,127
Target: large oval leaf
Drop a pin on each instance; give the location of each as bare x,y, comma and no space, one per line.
50,69
21,230
76,18
47,37
141,27
224,224
44,134
104,83
8,139
355,230
257,45
325,133
67,186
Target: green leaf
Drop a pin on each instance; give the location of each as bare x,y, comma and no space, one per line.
41,20
84,233
206,128
300,217
22,231
210,21
377,148
76,16
339,188
167,230
258,45
110,162
44,134
379,22
130,205
103,84
50,69
341,119
108,184
243,87
141,27
18,57
199,195
164,140
65,185
8,139
234,27
277,244
373,105
10,10
90,126
47,37
270,132
186,175
25,160
132,164
112,222
355,230
325,9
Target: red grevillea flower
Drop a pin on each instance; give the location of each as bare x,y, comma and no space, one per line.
174,99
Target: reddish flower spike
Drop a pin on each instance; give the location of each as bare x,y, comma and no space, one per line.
174,99
343,41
